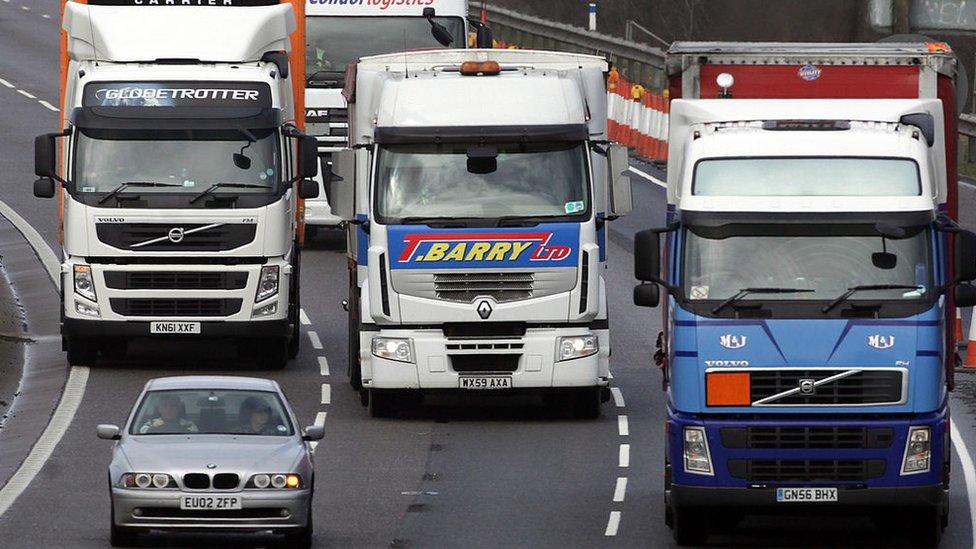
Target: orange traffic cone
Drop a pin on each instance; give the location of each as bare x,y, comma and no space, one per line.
971,345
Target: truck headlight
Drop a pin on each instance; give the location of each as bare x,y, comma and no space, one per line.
267,283
697,458
570,347
394,348
918,451
84,283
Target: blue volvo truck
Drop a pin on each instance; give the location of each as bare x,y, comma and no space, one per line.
810,261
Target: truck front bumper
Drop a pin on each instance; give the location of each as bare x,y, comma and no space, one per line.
532,362
763,499
265,329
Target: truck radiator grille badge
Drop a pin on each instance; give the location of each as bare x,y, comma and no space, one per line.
800,387
484,310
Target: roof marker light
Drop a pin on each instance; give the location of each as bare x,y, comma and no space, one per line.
481,68
725,81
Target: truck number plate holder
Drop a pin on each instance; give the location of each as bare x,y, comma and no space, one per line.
482,383
174,328
806,495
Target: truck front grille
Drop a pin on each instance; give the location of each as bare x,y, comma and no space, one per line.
501,286
175,307
172,280
806,470
806,437
484,363
176,237
852,387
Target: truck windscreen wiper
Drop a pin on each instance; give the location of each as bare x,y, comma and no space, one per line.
125,186
442,222
867,287
210,190
746,291
328,77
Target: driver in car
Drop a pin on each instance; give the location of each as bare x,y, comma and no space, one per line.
169,418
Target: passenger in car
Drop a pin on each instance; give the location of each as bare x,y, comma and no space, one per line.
255,416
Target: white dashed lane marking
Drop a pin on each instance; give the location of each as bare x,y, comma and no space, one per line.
620,491
324,366
320,422
613,524
303,318
618,397
623,459
326,393
314,338
622,426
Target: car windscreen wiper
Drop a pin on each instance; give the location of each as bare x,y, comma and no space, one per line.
210,190
125,186
746,291
867,287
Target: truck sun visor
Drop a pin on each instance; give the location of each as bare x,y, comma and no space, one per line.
487,134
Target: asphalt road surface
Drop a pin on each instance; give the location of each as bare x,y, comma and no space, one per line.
459,472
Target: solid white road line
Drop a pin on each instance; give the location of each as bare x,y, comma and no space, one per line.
618,397
624,459
620,492
326,393
303,318
968,472
324,366
314,338
622,427
36,241
613,524
74,392
648,177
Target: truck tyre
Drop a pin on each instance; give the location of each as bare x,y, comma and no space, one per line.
381,403
925,526
354,369
311,231
273,354
121,537
294,308
586,403
689,526
82,352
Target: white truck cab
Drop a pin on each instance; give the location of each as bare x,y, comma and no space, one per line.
179,179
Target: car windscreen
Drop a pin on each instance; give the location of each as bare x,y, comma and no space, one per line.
179,161
538,181
813,176
212,412
335,42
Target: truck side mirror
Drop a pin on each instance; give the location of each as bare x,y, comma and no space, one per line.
647,256
965,295
484,38
621,199
340,184
965,256
44,188
309,149
45,155
647,295
440,32
308,188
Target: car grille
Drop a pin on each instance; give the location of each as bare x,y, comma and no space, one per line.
175,307
466,287
196,481
136,237
809,470
806,437
484,363
872,386
170,280
226,481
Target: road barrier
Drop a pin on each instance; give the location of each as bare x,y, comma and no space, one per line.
638,118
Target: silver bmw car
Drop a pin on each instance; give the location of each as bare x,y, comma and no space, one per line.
211,453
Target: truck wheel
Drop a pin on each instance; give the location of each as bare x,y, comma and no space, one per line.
121,537
81,352
925,526
689,526
586,403
311,231
381,403
274,354
354,369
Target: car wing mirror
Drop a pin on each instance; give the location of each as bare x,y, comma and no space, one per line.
108,432
314,432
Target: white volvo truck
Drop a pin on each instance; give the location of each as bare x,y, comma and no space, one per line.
338,33
478,200
179,172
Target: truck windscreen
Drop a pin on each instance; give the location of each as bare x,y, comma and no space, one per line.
829,260
183,161
417,183
819,176
334,42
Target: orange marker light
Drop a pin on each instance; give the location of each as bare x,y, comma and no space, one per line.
938,47
481,68
293,481
727,389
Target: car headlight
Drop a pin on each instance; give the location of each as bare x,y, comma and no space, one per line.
159,481
918,451
275,481
267,283
394,348
570,347
84,283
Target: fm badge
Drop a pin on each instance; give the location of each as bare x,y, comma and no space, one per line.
730,341
881,342
484,310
